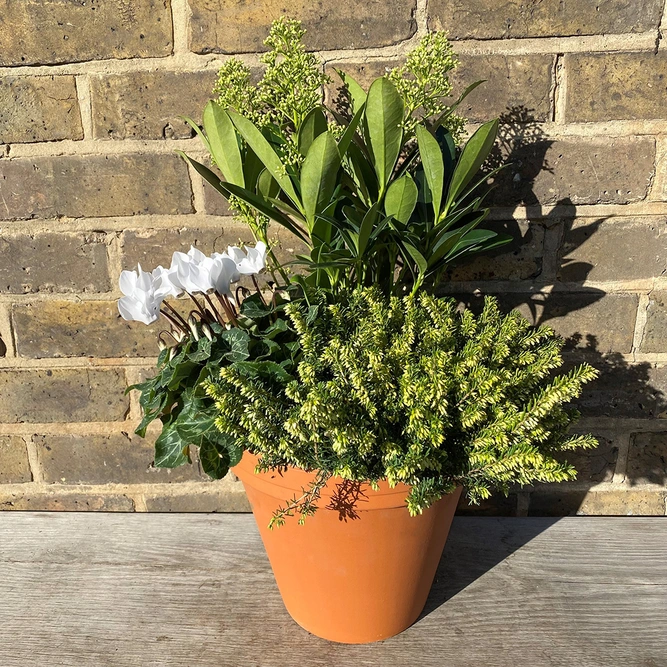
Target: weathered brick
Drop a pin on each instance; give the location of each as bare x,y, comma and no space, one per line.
147,105
65,502
519,260
225,26
605,321
647,459
49,262
94,185
153,247
34,33
226,500
493,19
14,465
38,108
81,329
612,170
62,395
655,331
597,502
496,505
613,249
636,390
593,465
517,87
103,459
214,202
618,86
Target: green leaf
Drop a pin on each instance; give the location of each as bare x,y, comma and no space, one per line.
264,207
266,369
203,350
170,449
214,457
366,228
314,124
434,167
223,143
401,198
419,259
197,129
350,131
384,117
473,156
266,185
318,175
355,91
238,342
266,154
450,109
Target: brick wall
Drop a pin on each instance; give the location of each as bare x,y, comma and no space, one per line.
90,95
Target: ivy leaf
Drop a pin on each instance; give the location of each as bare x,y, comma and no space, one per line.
170,449
238,342
214,457
270,369
203,350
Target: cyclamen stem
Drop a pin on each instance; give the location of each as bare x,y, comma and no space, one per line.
176,314
175,323
218,317
199,306
259,291
224,302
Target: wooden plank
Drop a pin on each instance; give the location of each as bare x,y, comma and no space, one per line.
197,590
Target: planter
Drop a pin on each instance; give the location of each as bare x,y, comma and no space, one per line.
361,568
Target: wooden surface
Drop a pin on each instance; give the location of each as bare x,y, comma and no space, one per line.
137,590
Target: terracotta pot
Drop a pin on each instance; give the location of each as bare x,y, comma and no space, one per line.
361,568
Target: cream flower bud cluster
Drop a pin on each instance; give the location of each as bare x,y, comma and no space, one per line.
192,272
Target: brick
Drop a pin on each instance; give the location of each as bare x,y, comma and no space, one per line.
519,260
496,505
14,465
48,262
62,395
517,87
635,390
65,502
94,185
619,86
593,465
647,459
613,249
146,105
153,247
610,170
655,330
81,329
597,502
495,19
605,322
33,33
225,26
118,458
227,500
39,108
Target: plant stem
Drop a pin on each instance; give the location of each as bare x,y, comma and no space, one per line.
199,307
176,314
259,291
213,308
174,322
228,309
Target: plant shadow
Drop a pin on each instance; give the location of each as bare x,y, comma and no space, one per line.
550,292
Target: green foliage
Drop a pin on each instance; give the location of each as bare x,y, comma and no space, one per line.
176,394
381,195
408,390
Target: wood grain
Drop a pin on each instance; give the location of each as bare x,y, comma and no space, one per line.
197,591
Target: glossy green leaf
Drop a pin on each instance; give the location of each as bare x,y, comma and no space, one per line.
419,259
223,143
366,228
266,154
214,458
238,342
401,198
314,124
266,185
473,156
434,167
384,116
350,131
356,93
318,175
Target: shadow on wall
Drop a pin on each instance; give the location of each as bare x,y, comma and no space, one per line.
622,390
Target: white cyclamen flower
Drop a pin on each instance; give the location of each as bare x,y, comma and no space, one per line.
141,301
191,272
223,273
252,262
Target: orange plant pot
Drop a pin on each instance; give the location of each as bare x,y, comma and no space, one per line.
361,568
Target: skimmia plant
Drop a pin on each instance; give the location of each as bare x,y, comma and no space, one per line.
345,364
